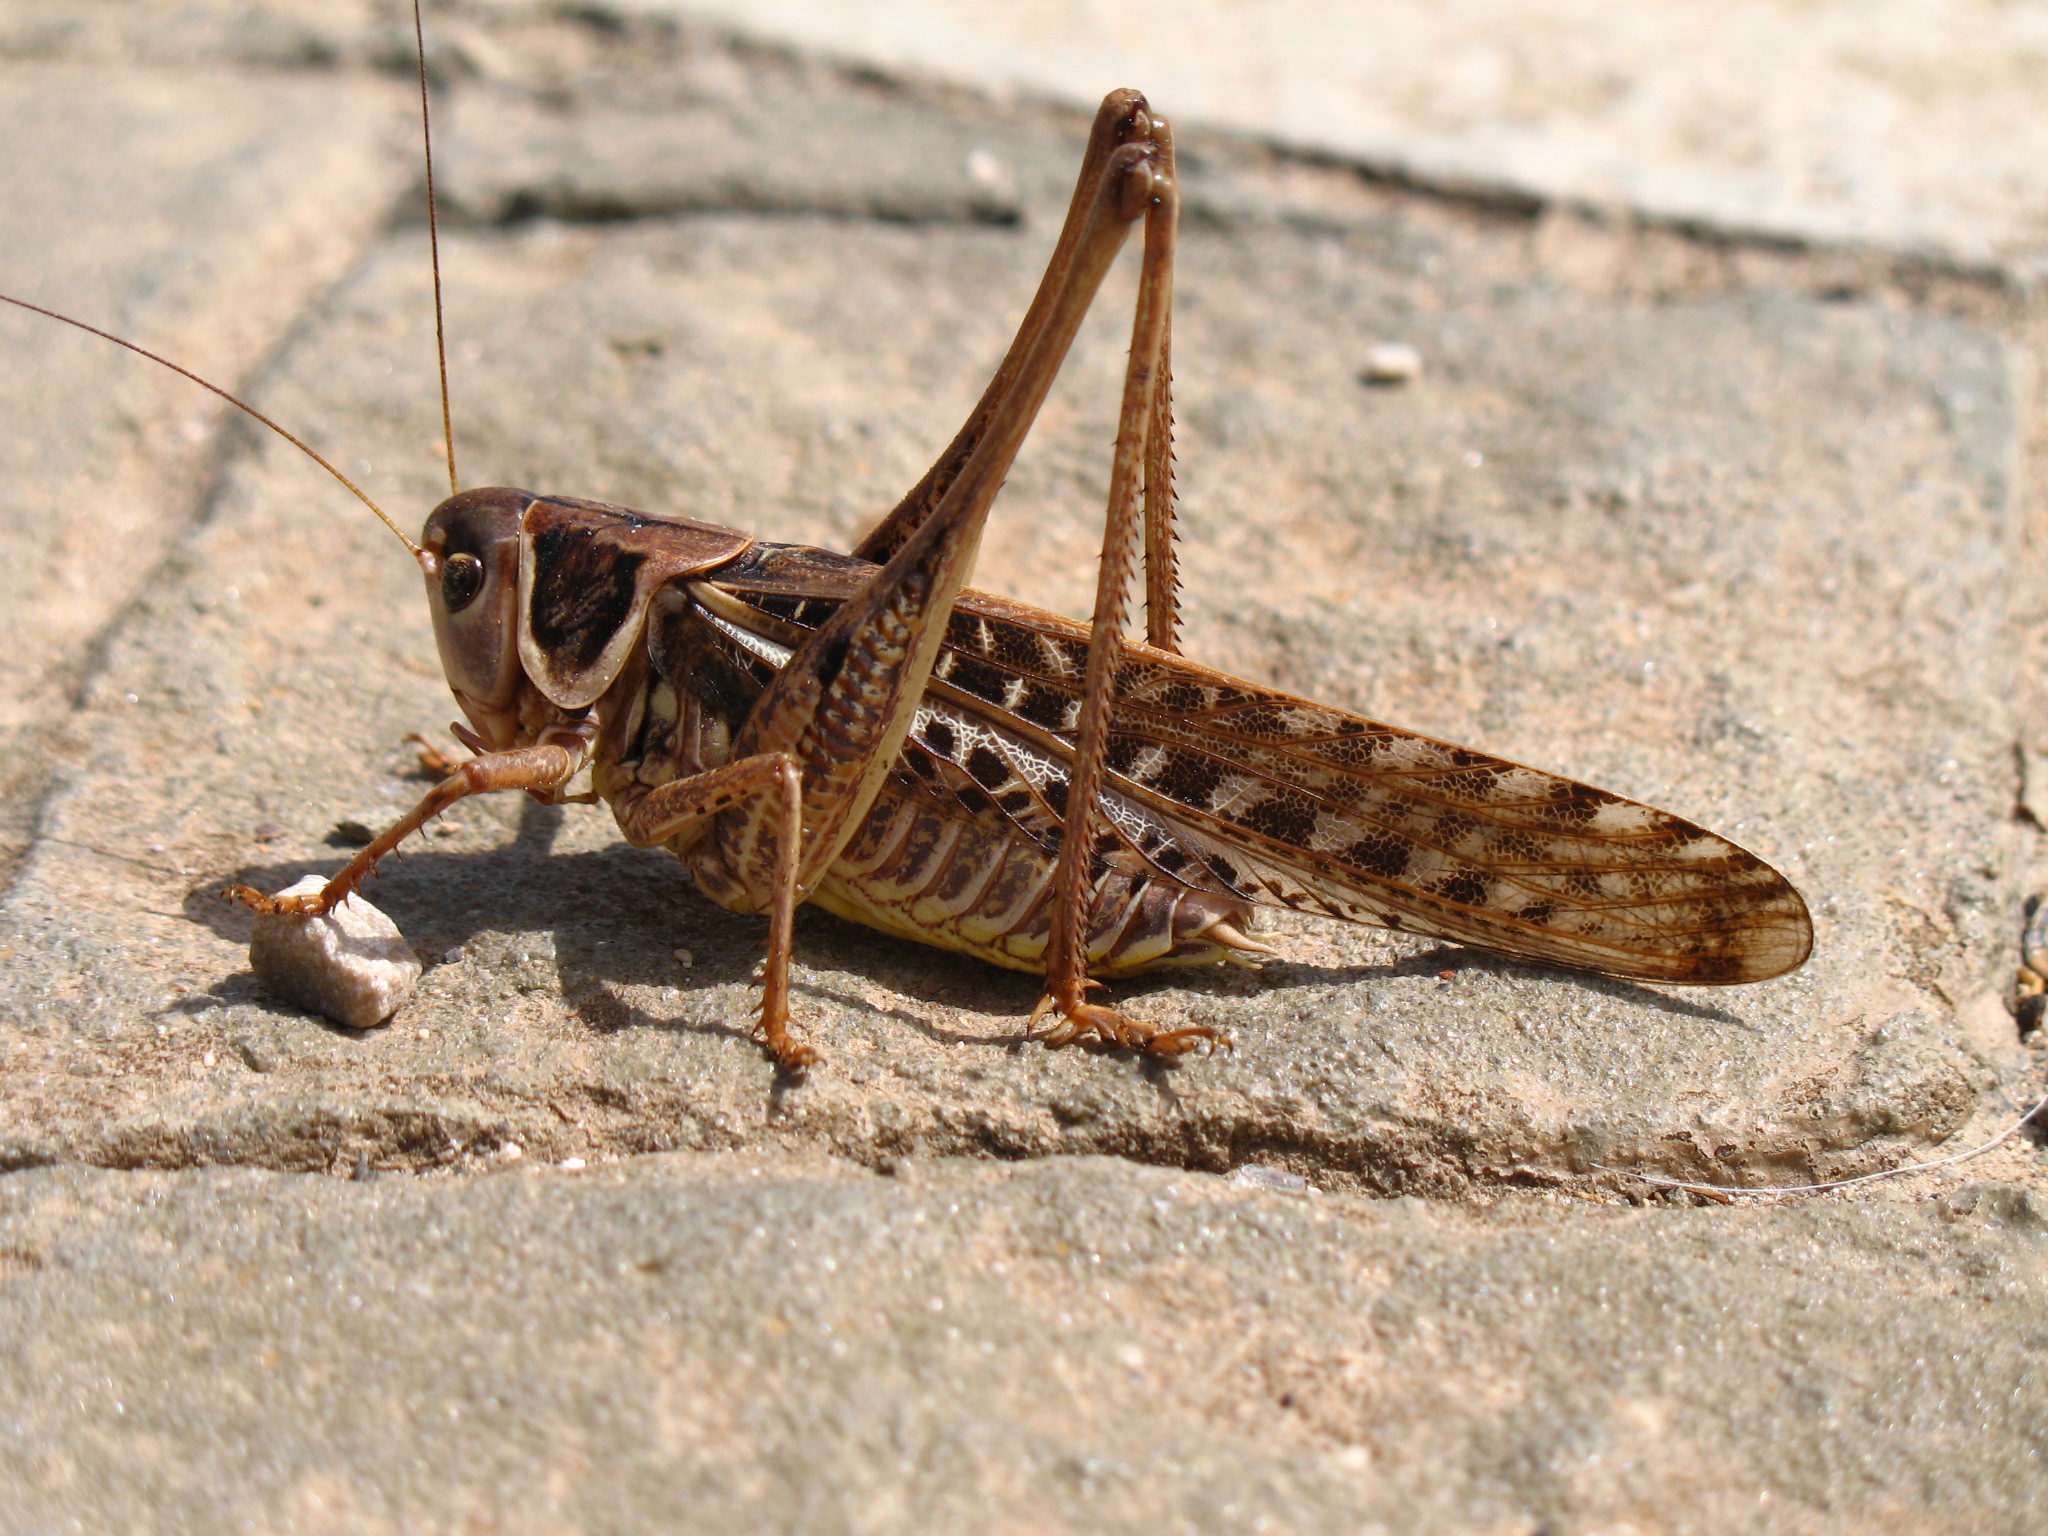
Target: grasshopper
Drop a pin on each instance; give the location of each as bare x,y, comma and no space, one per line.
864,732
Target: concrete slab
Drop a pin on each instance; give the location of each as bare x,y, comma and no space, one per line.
689,1344
1741,552
1742,530
196,213
1907,126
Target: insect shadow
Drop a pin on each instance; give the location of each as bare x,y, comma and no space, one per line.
615,917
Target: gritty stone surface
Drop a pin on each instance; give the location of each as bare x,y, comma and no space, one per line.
1893,122
1742,531
698,1344
350,964
1716,587
234,201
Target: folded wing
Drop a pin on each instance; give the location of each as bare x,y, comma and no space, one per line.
1224,785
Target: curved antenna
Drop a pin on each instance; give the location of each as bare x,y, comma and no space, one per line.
243,406
419,36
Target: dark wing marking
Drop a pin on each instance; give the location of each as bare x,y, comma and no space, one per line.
990,768
1222,784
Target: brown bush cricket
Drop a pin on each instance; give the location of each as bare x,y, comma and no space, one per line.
862,732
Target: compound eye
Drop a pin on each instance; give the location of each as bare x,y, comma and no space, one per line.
462,577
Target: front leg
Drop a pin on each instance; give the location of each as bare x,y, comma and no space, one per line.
678,807
540,768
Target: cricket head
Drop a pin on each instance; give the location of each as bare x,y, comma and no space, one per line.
539,601
469,552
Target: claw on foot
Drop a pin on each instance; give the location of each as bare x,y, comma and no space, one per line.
792,1057
313,904
432,759
790,1053
1079,1021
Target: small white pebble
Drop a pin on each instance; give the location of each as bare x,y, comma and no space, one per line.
1391,362
570,1162
156,847
424,1034
685,959
511,1151
984,169
351,965
206,1060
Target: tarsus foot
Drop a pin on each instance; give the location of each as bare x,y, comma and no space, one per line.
1081,1021
312,904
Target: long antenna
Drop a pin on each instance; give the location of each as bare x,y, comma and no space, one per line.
419,35
240,405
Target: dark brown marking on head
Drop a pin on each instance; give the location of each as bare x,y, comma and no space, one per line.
583,587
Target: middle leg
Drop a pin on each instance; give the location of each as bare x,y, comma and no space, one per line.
766,789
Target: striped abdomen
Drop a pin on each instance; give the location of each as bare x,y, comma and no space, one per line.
977,885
